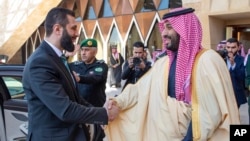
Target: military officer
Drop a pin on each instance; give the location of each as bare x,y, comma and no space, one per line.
91,74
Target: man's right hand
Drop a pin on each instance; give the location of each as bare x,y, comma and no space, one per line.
112,109
130,62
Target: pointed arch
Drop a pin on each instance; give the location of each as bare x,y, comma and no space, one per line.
144,21
89,26
105,25
97,5
123,8
106,10
97,36
82,6
133,4
123,23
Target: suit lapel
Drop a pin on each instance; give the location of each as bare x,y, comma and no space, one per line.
70,86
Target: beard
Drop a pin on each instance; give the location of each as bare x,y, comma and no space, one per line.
66,41
174,44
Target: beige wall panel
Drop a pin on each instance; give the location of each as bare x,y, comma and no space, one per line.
197,6
217,31
239,4
190,1
219,5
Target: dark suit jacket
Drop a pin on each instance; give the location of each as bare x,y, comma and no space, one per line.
56,111
238,80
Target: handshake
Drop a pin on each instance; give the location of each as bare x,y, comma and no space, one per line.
112,109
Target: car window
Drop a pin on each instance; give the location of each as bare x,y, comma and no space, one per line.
15,86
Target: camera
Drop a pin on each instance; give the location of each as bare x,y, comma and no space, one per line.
136,61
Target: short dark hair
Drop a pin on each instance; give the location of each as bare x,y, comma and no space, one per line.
233,40
138,44
56,15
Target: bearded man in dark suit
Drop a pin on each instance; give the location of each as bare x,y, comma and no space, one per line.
55,109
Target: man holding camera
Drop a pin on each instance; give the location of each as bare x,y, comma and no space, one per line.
135,66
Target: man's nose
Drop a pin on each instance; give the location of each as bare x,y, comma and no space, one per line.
76,34
165,31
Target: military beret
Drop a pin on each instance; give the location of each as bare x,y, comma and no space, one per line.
88,43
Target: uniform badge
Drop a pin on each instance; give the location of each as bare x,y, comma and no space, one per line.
89,43
98,69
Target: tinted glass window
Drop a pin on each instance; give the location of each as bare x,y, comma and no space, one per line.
15,86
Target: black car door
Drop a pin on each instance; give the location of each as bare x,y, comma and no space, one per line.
13,115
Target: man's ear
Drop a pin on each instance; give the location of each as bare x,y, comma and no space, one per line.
57,29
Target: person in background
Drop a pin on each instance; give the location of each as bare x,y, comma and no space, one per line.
221,48
248,82
221,45
136,65
187,94
235,65
91,75
116,62
55,109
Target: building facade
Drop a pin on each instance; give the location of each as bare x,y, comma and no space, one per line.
121,22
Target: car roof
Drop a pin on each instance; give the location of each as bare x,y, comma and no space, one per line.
11,69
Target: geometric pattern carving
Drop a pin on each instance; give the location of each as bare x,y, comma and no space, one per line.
82,5
89,26
157,3
97,5
123,23
123,8
113,5
105,25
133,4
24,39
144,21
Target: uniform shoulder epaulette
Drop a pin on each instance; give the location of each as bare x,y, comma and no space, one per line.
77,62
100,61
